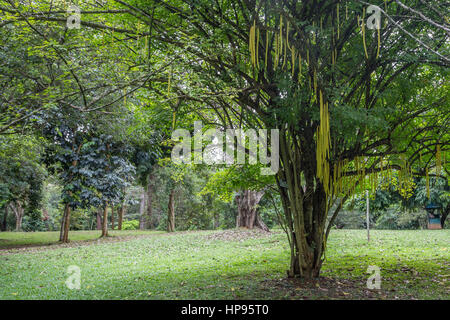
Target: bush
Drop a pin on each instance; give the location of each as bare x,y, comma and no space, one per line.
349,219
130,225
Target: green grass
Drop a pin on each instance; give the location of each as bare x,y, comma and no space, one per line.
21,239
198,265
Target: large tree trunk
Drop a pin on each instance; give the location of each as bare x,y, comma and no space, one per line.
99,219
121,213
248,217
150,220
5,217
171,212
305,207
18,223
105,222
142,212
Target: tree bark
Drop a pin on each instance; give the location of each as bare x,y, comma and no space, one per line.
99,219
444,215
142,212
18,210
61,229
248,217
171,212
5,217
105,222
65,221
112,218
305,208
66,225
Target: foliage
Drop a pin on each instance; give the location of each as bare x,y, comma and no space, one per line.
21,176
130,225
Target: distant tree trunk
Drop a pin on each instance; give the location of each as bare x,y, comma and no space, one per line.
121,213
5,217
99,219
105,222
18,210
216,220
248,217
150,221
112,218
61,229
171,212
142,212
444,215
65,224
45,218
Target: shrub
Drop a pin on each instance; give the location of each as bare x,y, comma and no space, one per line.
130,225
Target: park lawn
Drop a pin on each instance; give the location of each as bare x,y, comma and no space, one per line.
24,239
231,264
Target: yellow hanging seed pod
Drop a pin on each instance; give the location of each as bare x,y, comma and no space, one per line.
285,54
363,28
280,38
293,58
379,41
250,43
267,48
169,80
287,34
173,120
299,63
276,52
257,48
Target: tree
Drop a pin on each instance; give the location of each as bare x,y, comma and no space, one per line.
341,100
248,187
349,102
21,178
248,216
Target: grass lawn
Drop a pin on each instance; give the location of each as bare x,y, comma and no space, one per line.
231,264
28,239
